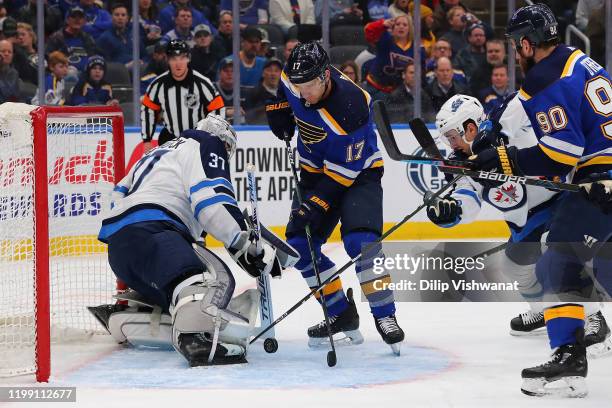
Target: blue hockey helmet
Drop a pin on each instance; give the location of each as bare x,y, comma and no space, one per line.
536,23
306,62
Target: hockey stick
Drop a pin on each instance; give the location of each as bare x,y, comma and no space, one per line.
350,263
331,355
420,131
266,312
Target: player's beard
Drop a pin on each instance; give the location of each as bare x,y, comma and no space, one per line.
526,63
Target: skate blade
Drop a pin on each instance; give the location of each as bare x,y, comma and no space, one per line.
347,338
599,350
567,387
537,332
395,347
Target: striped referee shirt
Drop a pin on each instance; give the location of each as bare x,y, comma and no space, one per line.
181,104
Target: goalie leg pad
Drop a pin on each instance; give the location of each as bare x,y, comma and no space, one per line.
143,327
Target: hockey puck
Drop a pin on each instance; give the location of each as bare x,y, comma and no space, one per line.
270,345
331,358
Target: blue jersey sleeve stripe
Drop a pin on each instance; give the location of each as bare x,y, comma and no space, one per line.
341,170
218,199
121,189
211,183
469,193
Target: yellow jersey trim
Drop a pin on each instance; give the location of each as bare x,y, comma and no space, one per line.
569,64
331,122
570,311
559,157
346,182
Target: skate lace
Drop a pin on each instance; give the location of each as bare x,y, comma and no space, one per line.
332,319
593,325
529,317
387,324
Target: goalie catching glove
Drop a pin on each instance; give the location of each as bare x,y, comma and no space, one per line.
255,259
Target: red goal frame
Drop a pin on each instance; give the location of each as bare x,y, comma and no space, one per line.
40,117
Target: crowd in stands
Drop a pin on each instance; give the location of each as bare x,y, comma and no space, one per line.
89,43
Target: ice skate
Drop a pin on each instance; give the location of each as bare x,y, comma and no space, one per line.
597,336
528,324
346,323
390,332
563,376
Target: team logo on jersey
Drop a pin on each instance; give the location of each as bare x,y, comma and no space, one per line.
191,101
310,134
424,178
508,195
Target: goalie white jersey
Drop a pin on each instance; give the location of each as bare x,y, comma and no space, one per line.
518,203
185,182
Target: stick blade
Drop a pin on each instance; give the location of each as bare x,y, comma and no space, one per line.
424,137
381,118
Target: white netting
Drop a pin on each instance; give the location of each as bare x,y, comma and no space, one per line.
80,178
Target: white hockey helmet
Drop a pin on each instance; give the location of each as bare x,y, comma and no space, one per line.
217,126
454,114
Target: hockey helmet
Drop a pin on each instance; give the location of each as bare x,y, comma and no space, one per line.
217,126
177,47
536,22
452,118
306,62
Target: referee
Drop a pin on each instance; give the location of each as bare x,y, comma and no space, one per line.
179,96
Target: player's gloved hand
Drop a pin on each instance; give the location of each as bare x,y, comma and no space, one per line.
310,212
255,259
598,189
500,159
280,118
444,212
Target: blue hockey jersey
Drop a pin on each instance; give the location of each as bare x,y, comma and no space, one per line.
568,99
336,136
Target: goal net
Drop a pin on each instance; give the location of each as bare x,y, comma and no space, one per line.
58,166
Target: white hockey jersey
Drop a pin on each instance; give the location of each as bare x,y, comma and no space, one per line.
185,182
519,204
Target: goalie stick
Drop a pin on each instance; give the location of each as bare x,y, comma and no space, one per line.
266,313
421,133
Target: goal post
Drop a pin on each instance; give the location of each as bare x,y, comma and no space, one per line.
58,166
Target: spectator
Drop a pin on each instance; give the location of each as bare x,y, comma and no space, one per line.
224,36
149,21
474,55
393,51
183,20
374,10
596,31
428,39
205,55
3,11
92,89
256,98
54,80
157,66
20,61
457,23
26,40
265,51
441,23
444,86
458,76
442,48
496,55
251,12
251,65
349,68
340,12
73,41
97,19
400,103
53,16
399,8
9,78
494,95
168,15
289,46
584,10
289,13
116,43
225,85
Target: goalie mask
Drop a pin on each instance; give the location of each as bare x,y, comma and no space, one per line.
217,126
454,116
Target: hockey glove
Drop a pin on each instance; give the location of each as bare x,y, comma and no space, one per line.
599,190
500,159
280,118
252,259
310,213
444,212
